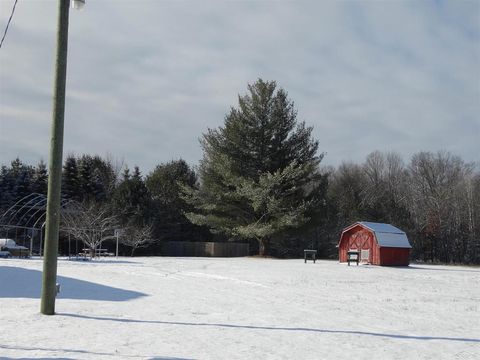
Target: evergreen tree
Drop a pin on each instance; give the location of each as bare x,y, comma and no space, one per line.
164,184
126,174
20,179
7,195
40,179
99,191
16,167
23,182
137,175
131,200
86,179
70,179
104,176
259,174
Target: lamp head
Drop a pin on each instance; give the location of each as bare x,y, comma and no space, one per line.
78,4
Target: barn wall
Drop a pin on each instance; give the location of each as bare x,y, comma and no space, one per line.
357,238
342,249
394,256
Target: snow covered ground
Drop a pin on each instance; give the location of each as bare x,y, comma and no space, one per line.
240,308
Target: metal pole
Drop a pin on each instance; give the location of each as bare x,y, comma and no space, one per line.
116,251
41,239
31,243
49,277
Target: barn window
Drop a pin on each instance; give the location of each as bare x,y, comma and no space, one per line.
365,254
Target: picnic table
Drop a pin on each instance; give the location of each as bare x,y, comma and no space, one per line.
98,252
353,256
17,251
310,254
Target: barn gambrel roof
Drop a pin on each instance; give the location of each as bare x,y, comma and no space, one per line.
387,235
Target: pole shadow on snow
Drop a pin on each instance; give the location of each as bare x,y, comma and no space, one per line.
24,283
276,328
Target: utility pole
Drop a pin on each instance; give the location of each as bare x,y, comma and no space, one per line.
49,276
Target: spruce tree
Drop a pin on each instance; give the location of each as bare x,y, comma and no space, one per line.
99,191
23,175
126,174
131,199
164,184
16,167
104,176
70,179
7,194
259,175
18,180
86,178
40,179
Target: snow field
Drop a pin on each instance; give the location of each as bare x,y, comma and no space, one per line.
240,308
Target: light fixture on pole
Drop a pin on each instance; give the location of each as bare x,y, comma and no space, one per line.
78,4
49,275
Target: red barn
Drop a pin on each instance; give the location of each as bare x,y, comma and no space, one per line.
377,243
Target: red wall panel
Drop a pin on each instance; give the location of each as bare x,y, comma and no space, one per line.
394,256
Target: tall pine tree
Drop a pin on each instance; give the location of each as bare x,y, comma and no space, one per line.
259,175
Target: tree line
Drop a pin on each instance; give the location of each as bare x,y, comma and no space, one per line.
261,181
107,196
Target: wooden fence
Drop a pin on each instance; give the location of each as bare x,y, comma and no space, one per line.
207,249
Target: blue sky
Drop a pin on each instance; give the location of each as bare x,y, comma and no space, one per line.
146,78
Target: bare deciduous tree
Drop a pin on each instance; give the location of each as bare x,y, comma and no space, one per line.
89,222
137,236
438,202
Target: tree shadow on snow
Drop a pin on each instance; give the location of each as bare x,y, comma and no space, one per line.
24,283
433,268
100,261
169,358
275,328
